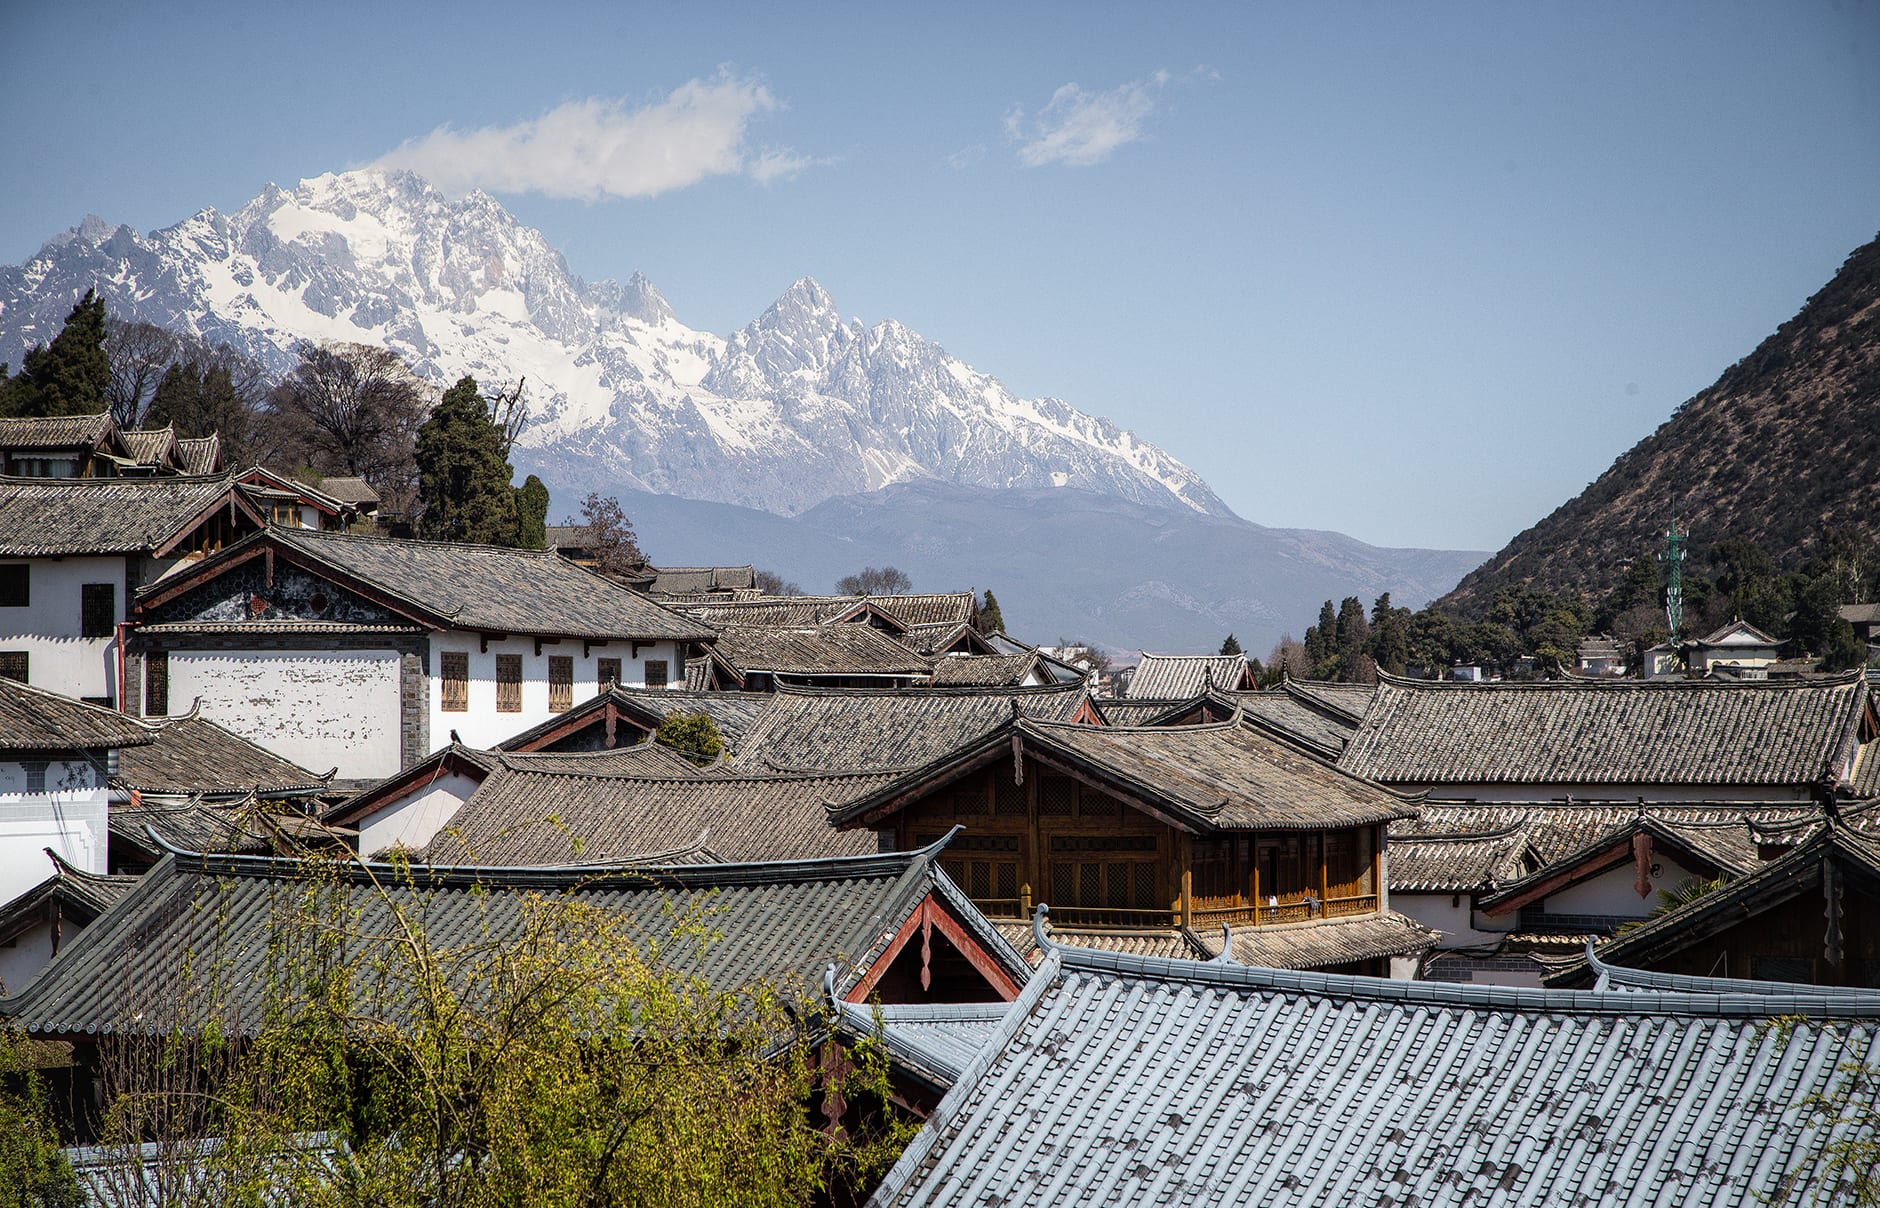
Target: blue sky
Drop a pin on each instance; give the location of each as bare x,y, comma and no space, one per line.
1416,273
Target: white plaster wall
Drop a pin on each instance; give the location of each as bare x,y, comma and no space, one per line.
72,818
482,726
319,708
1460,927
414,818
48,628
27,954
1612,892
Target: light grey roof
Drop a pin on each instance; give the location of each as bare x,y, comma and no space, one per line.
1302,715
932,608
33,719
537,813
47,517
152,446
195,755
816,650
356,491
55,431
992,670
937,1041
869,729
200,454
1354,700
482,587
1665,732
1119,1079
1865,781
199,920
1458,863
1318,944
1182,676
686,580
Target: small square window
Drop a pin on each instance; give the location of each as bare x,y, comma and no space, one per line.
454,669
607,673
14,665
16,584
97,609
35,777
509,683
656,675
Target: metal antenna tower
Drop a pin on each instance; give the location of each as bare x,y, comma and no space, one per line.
1673,558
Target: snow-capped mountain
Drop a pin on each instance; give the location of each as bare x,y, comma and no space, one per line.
798,407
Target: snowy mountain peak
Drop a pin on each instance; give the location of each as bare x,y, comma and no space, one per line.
795,408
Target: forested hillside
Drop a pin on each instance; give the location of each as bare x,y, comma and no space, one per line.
1785,446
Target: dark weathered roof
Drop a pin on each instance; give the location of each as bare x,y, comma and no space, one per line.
538,814
1353,700
194,755
1223,776
992,670
1183,676
813,650
1608,732
200,454
1320,944
765,610
1305,717
55,431
483,587
938,608
731,712
194,922
1119,712
355,491
74,894
864,730
687,580
32,719
243,826
47,517
1123,1079
152,446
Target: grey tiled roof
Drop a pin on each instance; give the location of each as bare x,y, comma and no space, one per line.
1170,943
731,712
1457,863
348,490
1666,732
864,730
150,446
937,1041
820,649
54,431
195,923
1119,712
1354,700
1301,715
194,755
950,608
1183,676
52,516
1325,943
537,814
685,580
200,454
78,896
993,670
484,586
1120,1079
1866,779
32,719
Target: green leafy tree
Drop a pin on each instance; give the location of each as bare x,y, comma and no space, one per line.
1321,643
71,375
463,481
991,620
1231,645
532,514
1350,635
693,735
33,1170
1432,639
349,410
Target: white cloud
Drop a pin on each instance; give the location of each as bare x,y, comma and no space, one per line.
599,147
1083,128
966,157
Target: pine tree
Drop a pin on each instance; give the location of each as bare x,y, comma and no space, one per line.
201,400
1231,645
1321,639
532,514
463,480
68,376
1352,632
991,620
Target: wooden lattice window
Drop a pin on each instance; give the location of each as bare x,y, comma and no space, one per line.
1092,804
969,800
509,683
560,683
1056,797
14,665
1009,800
157,683
97,609
607,674
16,584
986,867
454,668
1098,872
658,674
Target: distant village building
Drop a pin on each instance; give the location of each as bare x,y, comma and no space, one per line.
360,652
1600,656
1181,676
1739,647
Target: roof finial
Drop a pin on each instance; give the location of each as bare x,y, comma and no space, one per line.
1226,955
1037,929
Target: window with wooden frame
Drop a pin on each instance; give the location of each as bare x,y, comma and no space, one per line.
509,683
986,867
1105,878
657,675
97,609
15,665
16,584
560,683
607,674
453,668
157,683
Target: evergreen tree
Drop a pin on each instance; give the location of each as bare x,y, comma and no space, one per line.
991,620
68,376
201,400
1351,633
693,735
463,480
1389,647
1322,642
532,514
1232,646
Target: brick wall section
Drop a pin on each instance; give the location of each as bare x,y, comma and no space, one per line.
414,704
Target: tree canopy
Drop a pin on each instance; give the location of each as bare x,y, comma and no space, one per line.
463,481
874,581
69,376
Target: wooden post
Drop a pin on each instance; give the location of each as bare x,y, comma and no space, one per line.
1185,858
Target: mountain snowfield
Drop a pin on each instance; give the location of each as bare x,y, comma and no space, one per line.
796,408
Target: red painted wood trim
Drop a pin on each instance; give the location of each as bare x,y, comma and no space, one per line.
932,911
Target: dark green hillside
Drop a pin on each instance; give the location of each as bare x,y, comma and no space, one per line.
1786,442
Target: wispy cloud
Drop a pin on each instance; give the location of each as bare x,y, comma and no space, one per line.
600,147
965,157
1081,128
